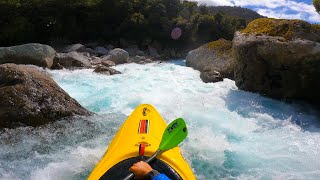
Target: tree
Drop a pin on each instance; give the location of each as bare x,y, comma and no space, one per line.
316,4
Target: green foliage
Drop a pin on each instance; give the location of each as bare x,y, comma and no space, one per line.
316,4
41,21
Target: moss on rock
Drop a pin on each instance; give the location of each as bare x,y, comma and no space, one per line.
288,29
211,57
220,45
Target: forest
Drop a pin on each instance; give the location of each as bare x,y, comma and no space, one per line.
138,21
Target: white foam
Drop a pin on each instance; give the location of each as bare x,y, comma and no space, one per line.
232,134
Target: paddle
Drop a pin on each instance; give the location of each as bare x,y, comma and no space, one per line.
173,135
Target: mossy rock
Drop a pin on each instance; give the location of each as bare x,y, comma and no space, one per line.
288,29
213,56
221,45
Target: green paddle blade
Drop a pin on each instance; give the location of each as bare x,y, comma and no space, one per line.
174,134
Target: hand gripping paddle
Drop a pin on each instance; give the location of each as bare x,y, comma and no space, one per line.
173,135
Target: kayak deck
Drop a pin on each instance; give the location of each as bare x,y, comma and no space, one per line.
144,127
121,170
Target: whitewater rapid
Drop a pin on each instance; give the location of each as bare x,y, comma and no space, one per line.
232,134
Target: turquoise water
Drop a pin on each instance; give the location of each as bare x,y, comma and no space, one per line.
232,134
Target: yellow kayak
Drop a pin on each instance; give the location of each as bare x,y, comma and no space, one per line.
138,138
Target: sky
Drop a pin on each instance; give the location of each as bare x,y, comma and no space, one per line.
282,9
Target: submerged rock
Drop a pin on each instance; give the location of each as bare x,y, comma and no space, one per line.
279,59
30,97
106,70
36,54
211,57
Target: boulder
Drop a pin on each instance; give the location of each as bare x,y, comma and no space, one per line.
36,54
72,60
209,75
118,56
106,70
95,60
211,57
28,96
101,51
108,63
74,47
138,59
281,59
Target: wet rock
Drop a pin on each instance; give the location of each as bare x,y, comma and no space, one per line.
72,60
95,61
118,56
209,75
279,59
108,63
36,54
28,96
138,59
214,56
106,70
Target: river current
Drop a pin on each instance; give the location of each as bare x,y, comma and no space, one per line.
232,134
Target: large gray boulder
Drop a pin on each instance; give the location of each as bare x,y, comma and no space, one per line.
36,54
72,60
101,51
118,56
28,96
212,58
279,59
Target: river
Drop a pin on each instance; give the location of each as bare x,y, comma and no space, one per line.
232,134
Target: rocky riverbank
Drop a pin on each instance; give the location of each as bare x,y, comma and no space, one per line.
276,58
30,97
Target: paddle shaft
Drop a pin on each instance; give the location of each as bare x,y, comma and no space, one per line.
147,161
